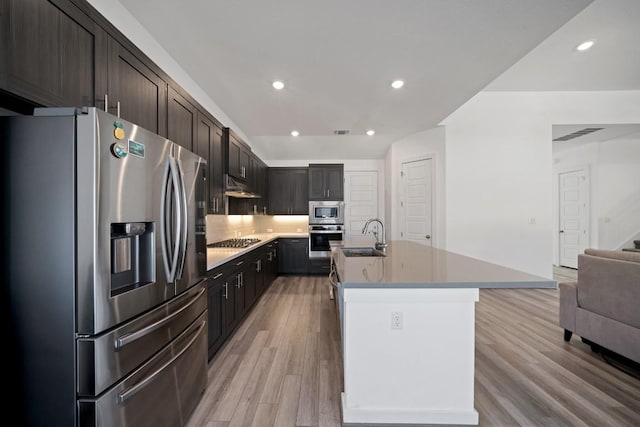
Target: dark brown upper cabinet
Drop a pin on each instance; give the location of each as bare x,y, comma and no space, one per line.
288,191
209,146
182,119
135,92
50,52
326,181
239,157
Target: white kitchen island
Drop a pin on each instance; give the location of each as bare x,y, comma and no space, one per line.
407,323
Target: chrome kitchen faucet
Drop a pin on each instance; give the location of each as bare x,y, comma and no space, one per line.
380,245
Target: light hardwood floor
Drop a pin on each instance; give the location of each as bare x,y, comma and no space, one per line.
282,366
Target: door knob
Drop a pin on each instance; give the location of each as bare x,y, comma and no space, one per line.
428,236
562,231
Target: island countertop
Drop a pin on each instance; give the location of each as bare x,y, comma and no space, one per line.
411,265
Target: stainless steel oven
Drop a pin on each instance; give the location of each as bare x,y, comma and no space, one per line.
319,237
326,212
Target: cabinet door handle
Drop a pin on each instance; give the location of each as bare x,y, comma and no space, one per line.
118,108
328,190
226,290
216,276
106,102
239,263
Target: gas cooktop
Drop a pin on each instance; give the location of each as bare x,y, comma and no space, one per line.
234,243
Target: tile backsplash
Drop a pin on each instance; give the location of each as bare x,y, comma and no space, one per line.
222,227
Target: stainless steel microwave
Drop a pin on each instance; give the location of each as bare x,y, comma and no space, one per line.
326,212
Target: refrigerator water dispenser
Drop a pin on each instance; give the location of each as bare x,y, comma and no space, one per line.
132,256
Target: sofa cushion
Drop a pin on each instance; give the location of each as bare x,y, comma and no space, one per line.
610,286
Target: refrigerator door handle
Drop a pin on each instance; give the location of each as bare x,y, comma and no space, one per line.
183,207
128,338
170,184
130,392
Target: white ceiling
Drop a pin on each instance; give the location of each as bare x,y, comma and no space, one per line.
338,58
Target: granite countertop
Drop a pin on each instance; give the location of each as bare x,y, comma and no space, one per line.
411,265
218,256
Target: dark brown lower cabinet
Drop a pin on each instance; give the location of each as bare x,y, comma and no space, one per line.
235,300
233,288
294,256
216,295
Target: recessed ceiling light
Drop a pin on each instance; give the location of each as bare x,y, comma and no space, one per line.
295,133
371,132
278,85
585,45
397,84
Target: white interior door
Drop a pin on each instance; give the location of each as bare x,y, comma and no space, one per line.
416,201
361,200
574,216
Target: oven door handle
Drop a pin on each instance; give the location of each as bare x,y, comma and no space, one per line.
128,338
326,232
131,391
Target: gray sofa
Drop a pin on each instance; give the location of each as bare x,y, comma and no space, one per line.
603,307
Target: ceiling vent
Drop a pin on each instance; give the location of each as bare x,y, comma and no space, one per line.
577,134
341,131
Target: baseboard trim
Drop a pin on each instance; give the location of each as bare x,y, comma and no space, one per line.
396,417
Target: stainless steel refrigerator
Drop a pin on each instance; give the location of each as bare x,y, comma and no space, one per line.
104,271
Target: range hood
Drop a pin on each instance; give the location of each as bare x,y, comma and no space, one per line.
238,189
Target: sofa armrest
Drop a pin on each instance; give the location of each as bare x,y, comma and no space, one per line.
568,305
610,287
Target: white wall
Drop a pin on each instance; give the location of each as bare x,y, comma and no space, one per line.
429,143
499,170
614,168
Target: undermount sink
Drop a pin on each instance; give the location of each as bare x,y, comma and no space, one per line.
362,252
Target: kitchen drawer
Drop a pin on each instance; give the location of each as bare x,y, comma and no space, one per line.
150,396
104,359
